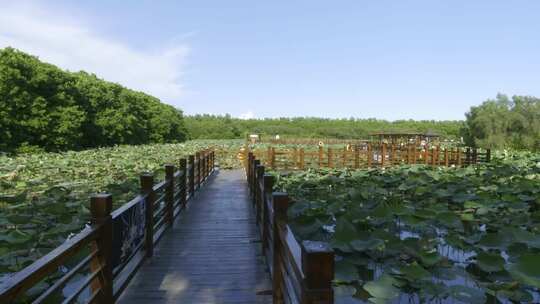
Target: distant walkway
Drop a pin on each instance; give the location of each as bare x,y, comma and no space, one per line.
211,254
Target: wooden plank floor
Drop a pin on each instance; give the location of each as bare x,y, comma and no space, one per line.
211,254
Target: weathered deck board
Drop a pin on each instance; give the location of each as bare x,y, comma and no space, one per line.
211,254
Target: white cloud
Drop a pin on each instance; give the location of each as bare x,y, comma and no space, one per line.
247,115
72,45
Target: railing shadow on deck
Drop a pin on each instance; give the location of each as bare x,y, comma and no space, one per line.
109,251
301,272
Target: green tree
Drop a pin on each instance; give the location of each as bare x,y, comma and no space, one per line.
504,123
42,106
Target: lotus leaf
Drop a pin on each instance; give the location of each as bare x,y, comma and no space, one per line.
494,241
345,272
382,289
490,262
413,272
526,269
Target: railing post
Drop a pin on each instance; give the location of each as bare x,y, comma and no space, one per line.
330,156
269,155
247,166
475,156
273,158
433,157
344,158
468,157
203,155
392,154
208,167
302,155
211,162
256,163
295,158
147,184
321,155
318,268
446,163
248,172
369,155
409,158
356,157
100,209
268,185
203,166
169,194
488,155
459,164
207,164
280,204
383,154
259,192
198,169
191,174
183,179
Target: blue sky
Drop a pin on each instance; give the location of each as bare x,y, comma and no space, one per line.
382,59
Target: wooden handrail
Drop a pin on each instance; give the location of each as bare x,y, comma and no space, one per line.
312,141
127,205
106,283
301,272
368,156
25,279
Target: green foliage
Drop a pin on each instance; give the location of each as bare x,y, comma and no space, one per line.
423,233
43,106
225,127
505,123
45,197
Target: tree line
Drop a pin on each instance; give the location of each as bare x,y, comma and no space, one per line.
500,123
224,126
45,108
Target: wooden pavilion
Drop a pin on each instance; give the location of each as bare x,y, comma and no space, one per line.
404,138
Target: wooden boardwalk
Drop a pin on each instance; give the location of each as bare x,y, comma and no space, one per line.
211,254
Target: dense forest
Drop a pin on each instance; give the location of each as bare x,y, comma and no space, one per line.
211,126
45,108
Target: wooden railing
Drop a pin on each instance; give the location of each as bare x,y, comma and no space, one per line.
301,272
311,141
113,246
369,156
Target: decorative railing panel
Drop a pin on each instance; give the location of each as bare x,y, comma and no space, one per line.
129,225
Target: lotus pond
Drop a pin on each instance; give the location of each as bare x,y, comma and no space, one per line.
416,234
45,197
